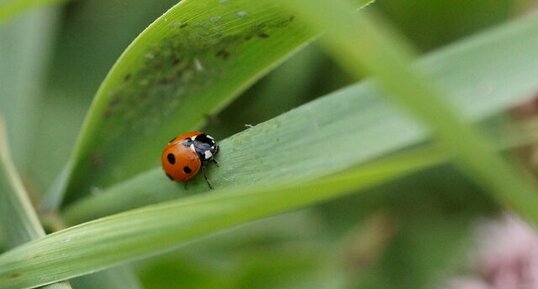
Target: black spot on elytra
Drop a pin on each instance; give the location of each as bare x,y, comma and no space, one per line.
169,176
171,158
187,170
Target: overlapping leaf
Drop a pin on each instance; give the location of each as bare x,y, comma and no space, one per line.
350,126
185,66
102,243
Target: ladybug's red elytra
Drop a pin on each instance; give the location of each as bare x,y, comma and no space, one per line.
186,154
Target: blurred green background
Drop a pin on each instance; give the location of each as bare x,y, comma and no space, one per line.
57,57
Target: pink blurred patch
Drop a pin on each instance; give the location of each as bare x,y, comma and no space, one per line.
506,257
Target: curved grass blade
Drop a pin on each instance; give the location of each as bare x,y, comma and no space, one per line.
121,277
102,243
59,285
184,67
361,43
359,120
17,215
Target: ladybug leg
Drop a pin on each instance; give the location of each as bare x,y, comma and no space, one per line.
215,161
207,180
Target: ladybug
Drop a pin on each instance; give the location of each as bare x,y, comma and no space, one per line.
186,154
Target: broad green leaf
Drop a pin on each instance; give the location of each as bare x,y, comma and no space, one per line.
363,43
102,243
355,124
184,67
100,31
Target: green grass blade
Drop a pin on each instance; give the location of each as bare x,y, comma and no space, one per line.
359,117
361,43
60,285
185,66
17,216
122,277
102,243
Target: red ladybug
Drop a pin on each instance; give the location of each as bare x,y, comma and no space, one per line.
186,154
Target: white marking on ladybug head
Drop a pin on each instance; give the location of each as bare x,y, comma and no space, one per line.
192,147
209,137
207,155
